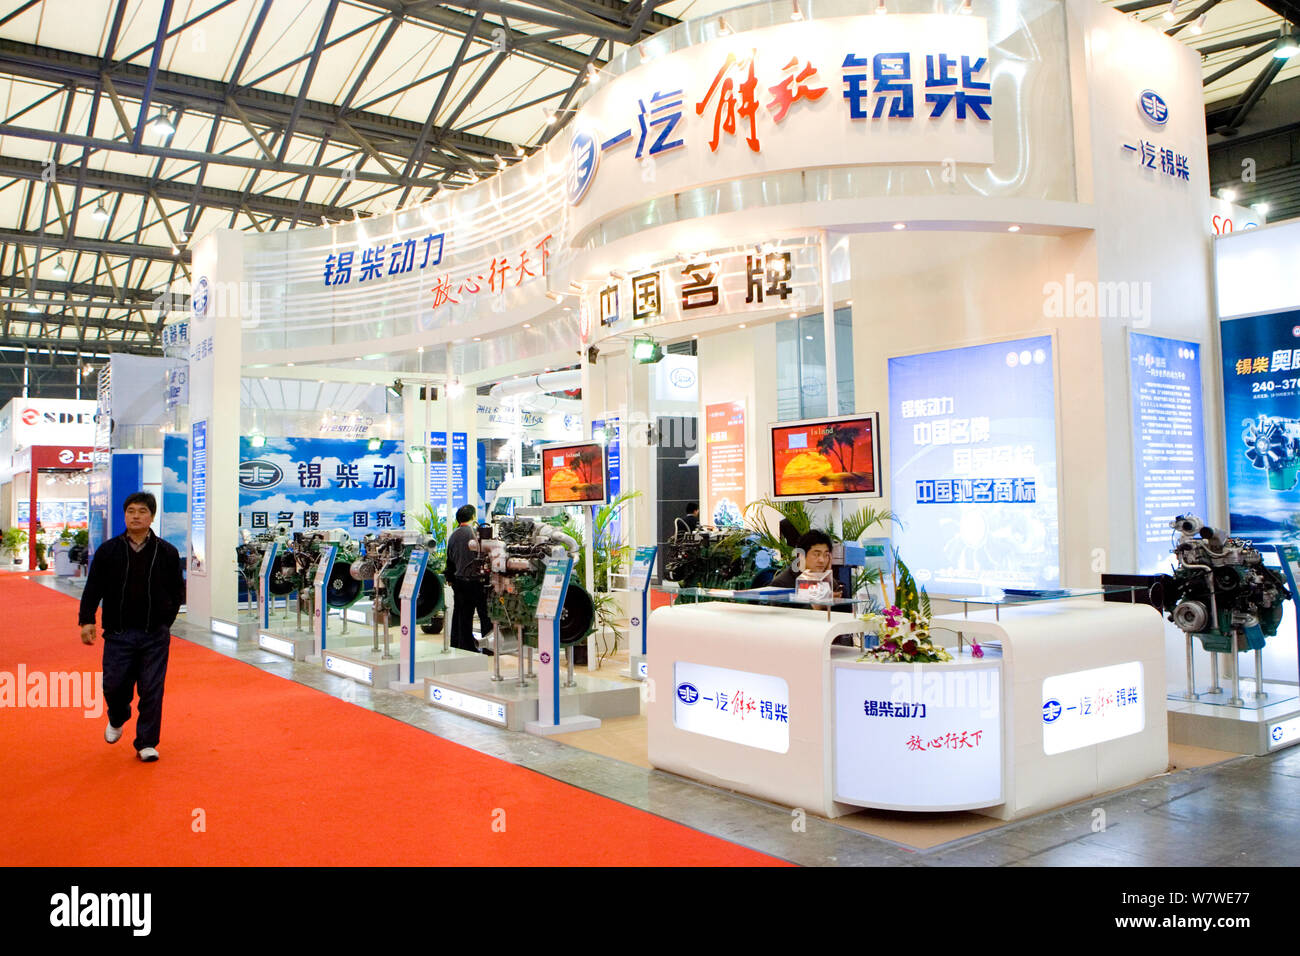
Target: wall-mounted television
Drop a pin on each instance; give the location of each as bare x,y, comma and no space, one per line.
827,458
574,474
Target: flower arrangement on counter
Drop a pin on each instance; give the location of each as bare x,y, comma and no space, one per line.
903,628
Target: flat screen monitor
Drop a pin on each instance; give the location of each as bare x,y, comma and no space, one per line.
573,474
827,458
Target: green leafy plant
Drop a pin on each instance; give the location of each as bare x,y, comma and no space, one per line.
435,526
14,540
82,537
757,521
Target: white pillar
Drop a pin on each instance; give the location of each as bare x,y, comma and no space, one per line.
218,297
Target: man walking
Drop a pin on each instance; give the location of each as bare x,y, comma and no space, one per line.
467,588
139,578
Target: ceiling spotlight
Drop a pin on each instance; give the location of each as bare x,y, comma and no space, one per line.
593,74
519,151
60,270
794,11
1199,26
900,225
162,126
478,338
455,389
1170,13
880,8
724,28
742,325
1287,46
33,308
550,115
965,7
646,350
100,214
1227,194
555,296
528,325
501,163
1260,207
1013,228
175,251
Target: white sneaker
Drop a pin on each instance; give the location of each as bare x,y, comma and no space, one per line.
113,734
148,754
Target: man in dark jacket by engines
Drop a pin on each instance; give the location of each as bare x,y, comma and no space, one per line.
139,578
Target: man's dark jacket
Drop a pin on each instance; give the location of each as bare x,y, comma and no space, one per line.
107,582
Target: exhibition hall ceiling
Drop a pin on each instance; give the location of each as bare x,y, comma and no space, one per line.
132,128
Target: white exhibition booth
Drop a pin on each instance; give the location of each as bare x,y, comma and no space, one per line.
1032,173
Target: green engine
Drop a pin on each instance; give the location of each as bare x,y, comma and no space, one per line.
1222,591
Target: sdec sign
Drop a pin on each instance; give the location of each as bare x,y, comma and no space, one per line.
54,422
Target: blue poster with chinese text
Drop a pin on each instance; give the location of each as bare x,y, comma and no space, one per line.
1261,413
319,484
972,439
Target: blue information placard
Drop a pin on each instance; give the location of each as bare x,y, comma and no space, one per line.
1261,402
1168,442
972,438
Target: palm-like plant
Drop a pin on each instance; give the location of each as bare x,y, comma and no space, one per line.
431,523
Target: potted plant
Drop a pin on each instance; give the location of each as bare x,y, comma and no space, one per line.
14,540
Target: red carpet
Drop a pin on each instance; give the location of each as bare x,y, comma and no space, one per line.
281,774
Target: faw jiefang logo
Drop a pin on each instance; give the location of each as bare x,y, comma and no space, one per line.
259,474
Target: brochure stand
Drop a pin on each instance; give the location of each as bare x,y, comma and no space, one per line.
549,604
643,566
415,567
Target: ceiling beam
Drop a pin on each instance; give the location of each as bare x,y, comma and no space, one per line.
30,169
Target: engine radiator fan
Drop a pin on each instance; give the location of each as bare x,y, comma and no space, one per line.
284,576
342,590
429,600
1273,444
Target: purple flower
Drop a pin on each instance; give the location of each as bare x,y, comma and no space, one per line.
976,651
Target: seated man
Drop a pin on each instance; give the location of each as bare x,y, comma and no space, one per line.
815,546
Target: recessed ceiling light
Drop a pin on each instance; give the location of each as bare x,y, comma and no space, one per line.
900,225
742,325
1013,228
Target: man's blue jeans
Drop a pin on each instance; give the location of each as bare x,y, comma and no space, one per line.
136,659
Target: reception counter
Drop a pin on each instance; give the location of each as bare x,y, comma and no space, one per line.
1066,702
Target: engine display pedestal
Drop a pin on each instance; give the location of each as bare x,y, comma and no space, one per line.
506,704
1256,727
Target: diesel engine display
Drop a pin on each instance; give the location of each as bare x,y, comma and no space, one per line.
1221,592
714,558
513,565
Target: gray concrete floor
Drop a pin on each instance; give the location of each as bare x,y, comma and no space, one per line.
1244,812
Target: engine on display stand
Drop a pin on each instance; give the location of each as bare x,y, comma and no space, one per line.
303,554
718,558
512,566
251,551
384,559
1222,593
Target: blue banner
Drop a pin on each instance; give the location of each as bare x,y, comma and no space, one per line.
1168,442
438,469
973,454
318,484
176,491
199,497
1261,402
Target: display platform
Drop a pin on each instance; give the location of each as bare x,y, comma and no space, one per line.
368,666
1258,728
1071,707
506,704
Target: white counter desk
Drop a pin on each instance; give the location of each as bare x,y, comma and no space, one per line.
758,700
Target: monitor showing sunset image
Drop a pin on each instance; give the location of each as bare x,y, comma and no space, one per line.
573,474
826,458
